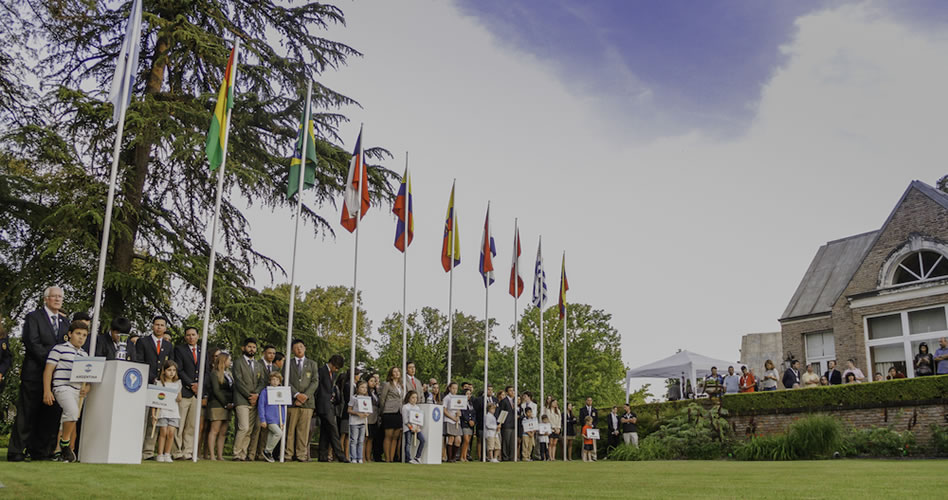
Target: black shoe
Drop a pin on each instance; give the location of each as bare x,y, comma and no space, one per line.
268,457
67,454
19,457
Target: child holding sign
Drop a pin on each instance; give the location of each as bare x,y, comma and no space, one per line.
587,441
410,429
167,419
58,389
271,416
357,419
543,439
490,434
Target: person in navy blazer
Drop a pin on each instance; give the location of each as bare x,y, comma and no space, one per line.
328,432
36,425
153,350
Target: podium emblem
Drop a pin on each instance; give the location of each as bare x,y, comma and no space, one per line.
132,380
436,414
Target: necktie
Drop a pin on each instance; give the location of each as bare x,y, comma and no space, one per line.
194,354
158,345
299,369
55,321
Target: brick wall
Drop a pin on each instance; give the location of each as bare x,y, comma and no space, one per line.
794,332
917,419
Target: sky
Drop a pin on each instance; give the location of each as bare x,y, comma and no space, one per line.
688,157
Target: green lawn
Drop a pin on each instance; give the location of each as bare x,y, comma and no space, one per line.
684,479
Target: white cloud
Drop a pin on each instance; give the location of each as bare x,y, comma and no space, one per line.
689,242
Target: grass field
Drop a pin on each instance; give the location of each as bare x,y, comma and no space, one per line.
679,479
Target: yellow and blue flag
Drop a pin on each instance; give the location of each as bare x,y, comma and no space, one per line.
403,211
564,286
451,245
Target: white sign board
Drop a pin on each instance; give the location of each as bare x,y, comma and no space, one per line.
530,424
545,428
279,395
458,403
592,434
162,397
502,417
416,418
88,369
363,404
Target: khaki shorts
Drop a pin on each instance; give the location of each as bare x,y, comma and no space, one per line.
68,399
493,443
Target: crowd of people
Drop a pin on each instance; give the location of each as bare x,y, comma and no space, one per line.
924,364
512,427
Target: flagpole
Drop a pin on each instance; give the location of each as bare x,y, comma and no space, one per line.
107,224
210,268
565,317
486,346
516,332
296,231
355,272
407,214
454,228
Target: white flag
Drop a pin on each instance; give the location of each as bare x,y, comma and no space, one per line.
539,281
121,93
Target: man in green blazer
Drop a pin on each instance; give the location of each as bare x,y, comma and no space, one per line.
249,380
303,381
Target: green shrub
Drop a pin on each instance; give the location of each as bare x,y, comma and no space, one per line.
878,442
694,433
940,439
765,448
815,436
650,448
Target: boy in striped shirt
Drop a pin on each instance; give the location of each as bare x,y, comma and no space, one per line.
58,389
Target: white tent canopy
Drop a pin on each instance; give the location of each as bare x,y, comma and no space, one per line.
678,365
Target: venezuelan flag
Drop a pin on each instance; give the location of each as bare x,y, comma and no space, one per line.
451,245
564,286
488,252
403,210
225,101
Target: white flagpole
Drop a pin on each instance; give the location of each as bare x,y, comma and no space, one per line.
296,231
210,269
486,345
516,335
405,289
107,224
355,272
565,317
454,228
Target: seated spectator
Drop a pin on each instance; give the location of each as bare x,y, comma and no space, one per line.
924,361
810,378
851,368
877,377
748,380
894,374
732,381
851,378
824,380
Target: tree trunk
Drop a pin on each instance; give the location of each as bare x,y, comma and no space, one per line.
133,188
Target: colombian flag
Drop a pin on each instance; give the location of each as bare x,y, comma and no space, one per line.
403,210
357,188
225,101
516,282
564,286
488,252
451,245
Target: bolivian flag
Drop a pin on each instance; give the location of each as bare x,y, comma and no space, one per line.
225,101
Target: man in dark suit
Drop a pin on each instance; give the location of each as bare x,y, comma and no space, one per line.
153,351
508,444
36,424
479,417
590,411
791,377
832,374
328,432
188,358
614,430
107,345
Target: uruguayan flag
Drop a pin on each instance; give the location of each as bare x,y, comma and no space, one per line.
124,79
539,281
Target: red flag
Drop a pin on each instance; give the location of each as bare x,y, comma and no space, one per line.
516,282
357,182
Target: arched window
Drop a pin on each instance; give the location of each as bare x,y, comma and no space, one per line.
921,266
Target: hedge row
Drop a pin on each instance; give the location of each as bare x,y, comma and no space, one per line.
866,395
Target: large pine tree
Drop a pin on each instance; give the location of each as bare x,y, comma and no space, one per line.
54,165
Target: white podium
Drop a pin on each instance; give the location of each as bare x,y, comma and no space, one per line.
433,431
112,415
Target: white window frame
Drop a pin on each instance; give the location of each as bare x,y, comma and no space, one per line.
907,337
822,360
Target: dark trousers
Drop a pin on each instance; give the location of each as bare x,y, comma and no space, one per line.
508,445
36,424
614,441
329,433
544,451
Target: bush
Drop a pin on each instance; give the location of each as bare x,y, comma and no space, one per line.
940,439
650,448
878,442
816,436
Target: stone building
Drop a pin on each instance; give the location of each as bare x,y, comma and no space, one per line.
874,297
756,348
